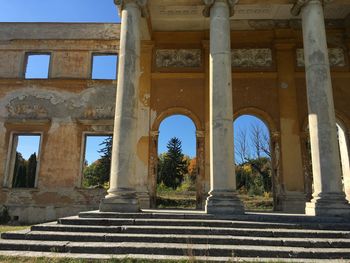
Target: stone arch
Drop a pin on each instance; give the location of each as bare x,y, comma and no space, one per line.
177,111
277,180
200,153
261,114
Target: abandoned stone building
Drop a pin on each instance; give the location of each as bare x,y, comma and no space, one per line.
286,62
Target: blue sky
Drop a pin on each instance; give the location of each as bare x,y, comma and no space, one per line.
58,11
94,11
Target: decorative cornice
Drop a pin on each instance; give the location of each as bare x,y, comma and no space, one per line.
209,3
142,4
299,4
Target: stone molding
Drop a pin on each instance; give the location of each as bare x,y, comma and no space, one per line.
252,58
178,58
209,3
299,4
142,4
200,134
336,57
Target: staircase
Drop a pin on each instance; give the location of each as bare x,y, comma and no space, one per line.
191,235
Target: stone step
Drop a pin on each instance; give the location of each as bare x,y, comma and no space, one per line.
150,258
248,216
190,250
190,230
185,239
195,222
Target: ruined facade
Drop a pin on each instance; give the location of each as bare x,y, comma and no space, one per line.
177,49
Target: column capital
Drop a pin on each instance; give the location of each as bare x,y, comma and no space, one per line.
142,4
209,3
299,4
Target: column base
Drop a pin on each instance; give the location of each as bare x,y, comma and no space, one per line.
293,202
122,200
144,200
328,205
224,203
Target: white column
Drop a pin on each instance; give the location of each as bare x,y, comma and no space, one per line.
121,195
328,197
222,196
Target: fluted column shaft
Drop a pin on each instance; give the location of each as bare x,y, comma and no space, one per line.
222,196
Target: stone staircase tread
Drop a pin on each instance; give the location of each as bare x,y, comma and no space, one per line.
162,246
29,232
36,254
203,223
201,228
248,216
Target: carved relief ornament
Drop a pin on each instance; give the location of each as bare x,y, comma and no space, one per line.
252,58
299,4
142,4
178,58
209,3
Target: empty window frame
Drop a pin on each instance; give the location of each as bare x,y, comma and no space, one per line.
37,66
24,160
104,66
96,160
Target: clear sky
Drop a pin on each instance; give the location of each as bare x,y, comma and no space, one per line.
58,11
95,11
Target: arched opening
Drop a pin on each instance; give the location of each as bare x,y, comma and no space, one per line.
177,165
343,141
254,163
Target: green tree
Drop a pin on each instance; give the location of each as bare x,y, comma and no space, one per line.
31,170
172,165
97,173
19,173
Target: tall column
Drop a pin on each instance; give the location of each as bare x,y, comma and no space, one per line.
121,195
328,197
222,196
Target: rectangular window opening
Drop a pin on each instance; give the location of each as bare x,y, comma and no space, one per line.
38,66
104,66
25,160
97,161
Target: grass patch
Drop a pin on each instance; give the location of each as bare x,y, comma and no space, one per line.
177,199
7,228
257,203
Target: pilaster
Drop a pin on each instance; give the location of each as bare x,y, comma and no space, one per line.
293,197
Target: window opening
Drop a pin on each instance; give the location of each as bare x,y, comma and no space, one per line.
26,150
104,66
97,161
37,66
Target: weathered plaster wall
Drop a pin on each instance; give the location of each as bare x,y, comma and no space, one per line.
61,108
